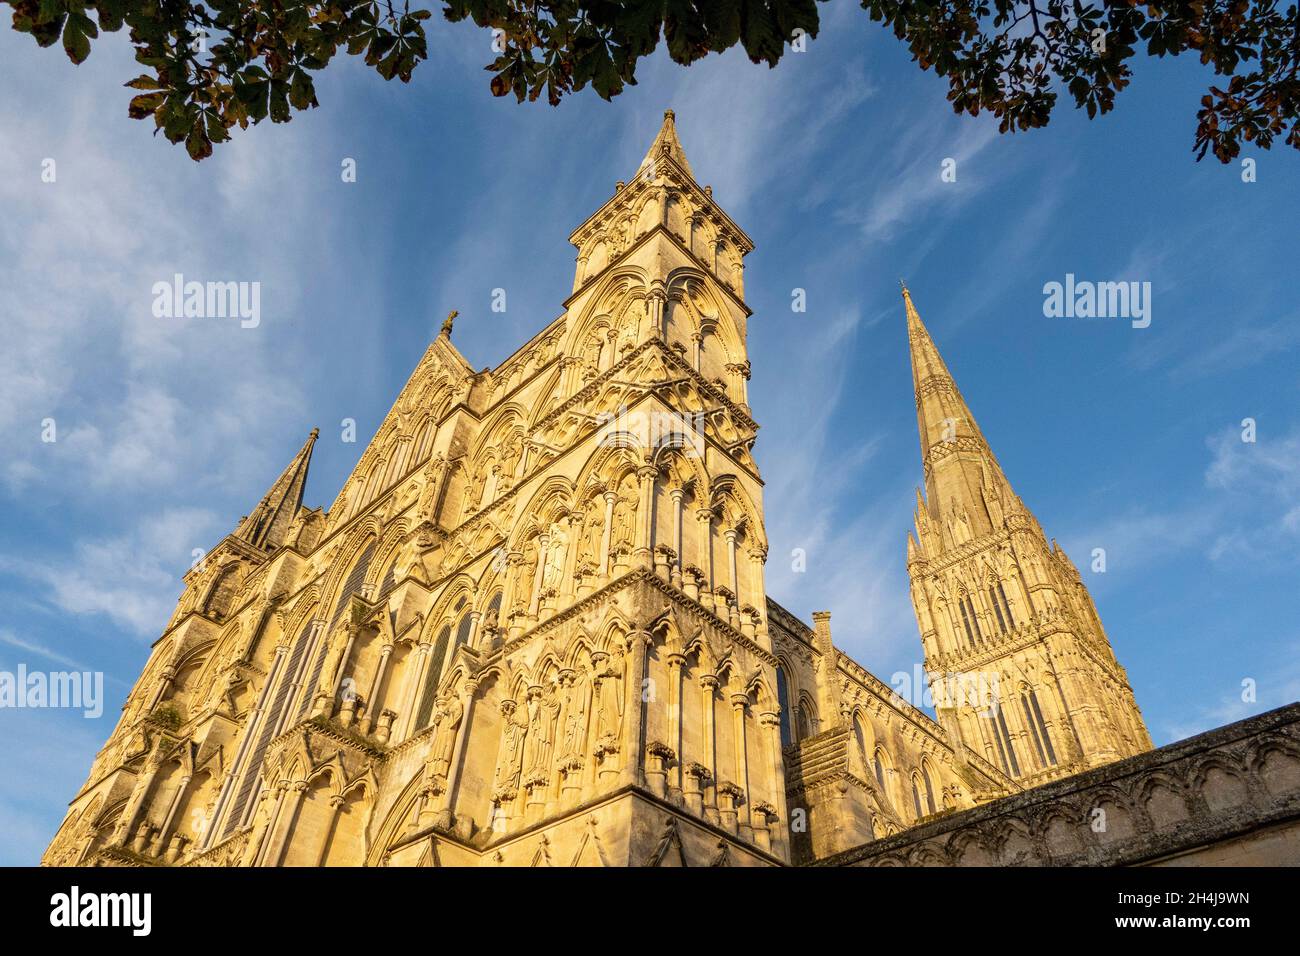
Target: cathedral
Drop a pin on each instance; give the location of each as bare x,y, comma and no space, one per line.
532,629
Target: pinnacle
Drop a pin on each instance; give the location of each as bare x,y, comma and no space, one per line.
667,144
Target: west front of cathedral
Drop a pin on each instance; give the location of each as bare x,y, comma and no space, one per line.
533,629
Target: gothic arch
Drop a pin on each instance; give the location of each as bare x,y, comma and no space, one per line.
550,502
295,618
366,531
609,300
386,552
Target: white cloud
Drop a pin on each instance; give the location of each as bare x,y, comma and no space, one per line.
133,578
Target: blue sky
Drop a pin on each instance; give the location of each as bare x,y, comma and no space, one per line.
1120,438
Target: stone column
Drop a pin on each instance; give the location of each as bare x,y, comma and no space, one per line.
731,534
605,538
771,724
372,696
645,516
708,684
175,805
738,704
676,665
655,311
704,517
336,805
285,818
447,803
634,710
677,494
697,349
414,683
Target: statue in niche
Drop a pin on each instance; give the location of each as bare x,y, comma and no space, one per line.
593,533
428,500
448,712
542,710
474,489
517,581
556,549
510,460
622,527
591,353
491,620
572,744
512,753
609,716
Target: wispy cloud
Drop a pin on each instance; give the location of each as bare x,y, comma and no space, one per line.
132,578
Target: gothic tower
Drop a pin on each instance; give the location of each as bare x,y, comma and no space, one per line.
532,627
1020,668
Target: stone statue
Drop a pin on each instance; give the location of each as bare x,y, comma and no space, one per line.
609,717
512,754
447,322
622,530
447,716
572,743
553,571
542,710
428,500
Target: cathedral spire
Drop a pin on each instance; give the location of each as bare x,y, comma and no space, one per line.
268,523
960,469
667,144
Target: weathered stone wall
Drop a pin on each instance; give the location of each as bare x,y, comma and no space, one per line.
1230,796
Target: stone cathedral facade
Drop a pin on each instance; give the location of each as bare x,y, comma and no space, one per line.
532,629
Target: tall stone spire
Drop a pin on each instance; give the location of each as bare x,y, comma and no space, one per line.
999,604
266,526
960,469
667,144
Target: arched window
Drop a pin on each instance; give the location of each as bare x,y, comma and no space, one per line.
1037,728
997,609
783,703
803,721
462,632
879,761
916,797
965,620
929,786
389,580
424,713
309,678
861,736
1002,737
1006,606
974,620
